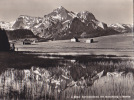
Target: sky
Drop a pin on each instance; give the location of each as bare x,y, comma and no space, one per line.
108,11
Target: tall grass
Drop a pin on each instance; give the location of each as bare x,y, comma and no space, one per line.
14,85
105,86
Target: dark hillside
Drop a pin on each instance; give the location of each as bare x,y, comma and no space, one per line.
20,34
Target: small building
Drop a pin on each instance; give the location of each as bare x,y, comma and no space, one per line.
89,41
74,39
27,41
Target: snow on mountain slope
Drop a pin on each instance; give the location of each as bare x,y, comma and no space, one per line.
121,27
62,14
117,25
26,22
6,25
102,25
61,23
86,16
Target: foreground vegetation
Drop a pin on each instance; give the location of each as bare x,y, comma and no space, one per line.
117,79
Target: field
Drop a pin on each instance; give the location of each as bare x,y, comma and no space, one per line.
107,45
64,70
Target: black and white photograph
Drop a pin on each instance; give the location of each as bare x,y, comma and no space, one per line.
66,50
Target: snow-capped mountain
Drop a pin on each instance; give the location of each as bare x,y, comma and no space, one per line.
6,25
86,16
26,22
63,24
121,27
61,14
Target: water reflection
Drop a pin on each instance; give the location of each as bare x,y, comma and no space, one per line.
72,75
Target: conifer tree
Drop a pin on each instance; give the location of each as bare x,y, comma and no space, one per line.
4,43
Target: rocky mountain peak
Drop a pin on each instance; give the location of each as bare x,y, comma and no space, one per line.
63,24
61,14
60,9
86,16
24,17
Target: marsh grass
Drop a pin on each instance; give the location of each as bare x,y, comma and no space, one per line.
122,85
106,86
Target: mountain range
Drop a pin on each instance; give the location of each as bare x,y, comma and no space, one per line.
64,24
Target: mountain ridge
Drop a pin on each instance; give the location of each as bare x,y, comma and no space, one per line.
64,24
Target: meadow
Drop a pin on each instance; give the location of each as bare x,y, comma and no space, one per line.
64,70
118,45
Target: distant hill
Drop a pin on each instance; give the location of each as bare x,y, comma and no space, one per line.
20,34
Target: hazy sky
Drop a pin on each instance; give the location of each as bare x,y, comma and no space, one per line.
108,11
